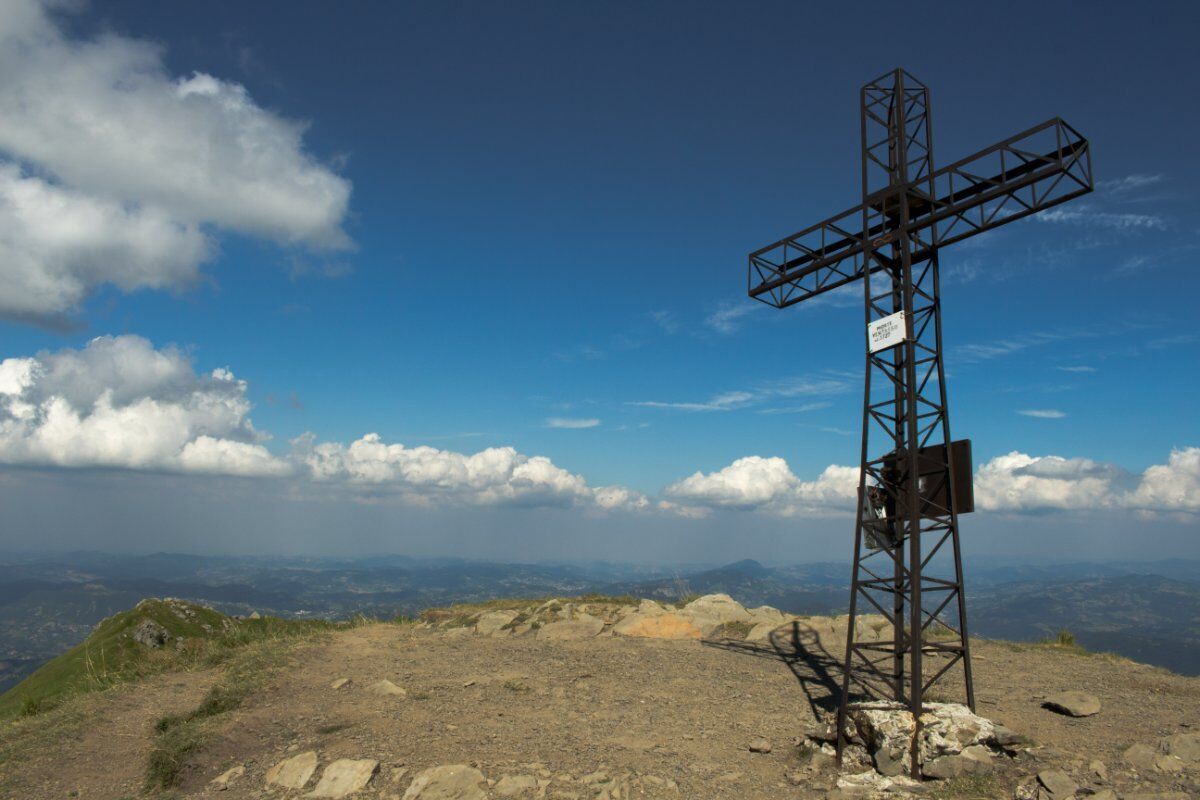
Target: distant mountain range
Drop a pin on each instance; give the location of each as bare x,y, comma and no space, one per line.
1147,611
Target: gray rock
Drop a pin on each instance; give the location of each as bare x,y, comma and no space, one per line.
1057,783
1141,757
447,782
953,767
1184,746
583,626
344,777
386,688
1073,704
222,781
339,683
150,634
1098,769
760,746
1006,738
514,785
821,730
294,772
492,623
1104,794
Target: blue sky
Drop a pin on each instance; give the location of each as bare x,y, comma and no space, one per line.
550,207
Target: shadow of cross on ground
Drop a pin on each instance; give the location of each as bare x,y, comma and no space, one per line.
798,645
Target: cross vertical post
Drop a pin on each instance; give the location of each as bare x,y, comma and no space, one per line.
914,480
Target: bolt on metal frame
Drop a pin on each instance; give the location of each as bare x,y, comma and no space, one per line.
908,510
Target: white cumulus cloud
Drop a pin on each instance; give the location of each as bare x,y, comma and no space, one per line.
131,163
120,403
57,245
755,483
1015,482
1020,482
495,476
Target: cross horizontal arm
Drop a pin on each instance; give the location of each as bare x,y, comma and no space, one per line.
1027,173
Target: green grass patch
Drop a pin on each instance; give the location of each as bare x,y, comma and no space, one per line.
196,637
170,755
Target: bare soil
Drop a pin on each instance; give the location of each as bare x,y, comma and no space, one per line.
675,718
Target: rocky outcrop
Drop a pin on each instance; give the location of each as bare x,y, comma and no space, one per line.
493,622
952,740
150,634
713,615
584,626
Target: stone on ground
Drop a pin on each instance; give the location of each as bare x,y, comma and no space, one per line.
227,777
973,760
662,625
1141,757
339,683
1184,746
344,777
447,782
1073,704
150,634
760,746
294,772
514,785
386,688
584,626
492,623
1057,783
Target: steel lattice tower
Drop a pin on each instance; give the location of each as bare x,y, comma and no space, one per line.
914,481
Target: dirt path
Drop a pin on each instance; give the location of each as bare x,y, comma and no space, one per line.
96,747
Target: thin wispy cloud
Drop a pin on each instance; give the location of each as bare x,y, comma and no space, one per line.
665,320
1004,347
572,423
806,386
728,318
1129,183
1080,368
1104,219
1042,413
801,409
721,402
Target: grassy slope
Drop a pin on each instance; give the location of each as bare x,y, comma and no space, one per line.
110,655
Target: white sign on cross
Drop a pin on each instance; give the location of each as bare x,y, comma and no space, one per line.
887,332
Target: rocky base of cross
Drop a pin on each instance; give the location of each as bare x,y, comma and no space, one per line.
951,742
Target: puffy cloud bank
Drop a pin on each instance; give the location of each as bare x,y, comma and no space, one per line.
120,403
755,483
1014,482
495,476
118,172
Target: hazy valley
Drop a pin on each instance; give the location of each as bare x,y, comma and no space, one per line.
1149,611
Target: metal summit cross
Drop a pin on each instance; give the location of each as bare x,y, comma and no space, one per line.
912,487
